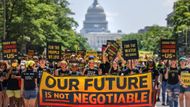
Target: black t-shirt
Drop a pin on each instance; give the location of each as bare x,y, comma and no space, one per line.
173,74
114,71
75,73
40,71
162,70
13,84
29,79
91,72
63,73
105,67
154,72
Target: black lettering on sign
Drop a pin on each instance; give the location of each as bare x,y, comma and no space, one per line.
130,49
54,51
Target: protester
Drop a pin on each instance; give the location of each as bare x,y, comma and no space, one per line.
13,85
29,84
74,70
105,65
30,73
162,70
2,79
91,70
4,69
173,88
151,67
184,95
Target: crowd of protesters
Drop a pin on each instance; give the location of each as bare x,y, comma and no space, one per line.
20,79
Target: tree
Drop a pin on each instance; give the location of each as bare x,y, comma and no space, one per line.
150,39
180,17
42,21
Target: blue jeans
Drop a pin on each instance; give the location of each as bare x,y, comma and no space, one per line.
173,94
30,94
164,88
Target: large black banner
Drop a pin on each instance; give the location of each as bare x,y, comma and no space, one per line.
130,50
168,49
9,49
53,51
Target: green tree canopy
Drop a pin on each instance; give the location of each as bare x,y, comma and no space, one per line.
180,17
41,21
150,39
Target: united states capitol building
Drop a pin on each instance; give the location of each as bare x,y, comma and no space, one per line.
95,27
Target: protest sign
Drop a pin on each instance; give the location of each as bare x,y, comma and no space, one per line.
130,50
32,50
112,49
68,55
145,55
168,49
9,49
53,51
96,91
110,42
185,77
104,47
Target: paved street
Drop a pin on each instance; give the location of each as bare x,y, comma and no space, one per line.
159,104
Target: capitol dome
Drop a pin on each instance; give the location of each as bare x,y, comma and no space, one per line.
95,19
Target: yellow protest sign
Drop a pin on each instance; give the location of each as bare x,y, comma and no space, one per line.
145,55
91,53
96,91
185,77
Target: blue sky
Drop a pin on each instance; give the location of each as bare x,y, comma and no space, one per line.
127,15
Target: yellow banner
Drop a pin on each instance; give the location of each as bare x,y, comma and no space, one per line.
96,91
185,77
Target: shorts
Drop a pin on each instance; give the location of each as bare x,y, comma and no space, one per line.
183,90
13,93
30,94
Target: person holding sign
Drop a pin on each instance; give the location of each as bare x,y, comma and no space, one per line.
29,84
105,65
41,68
184,89
173,88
